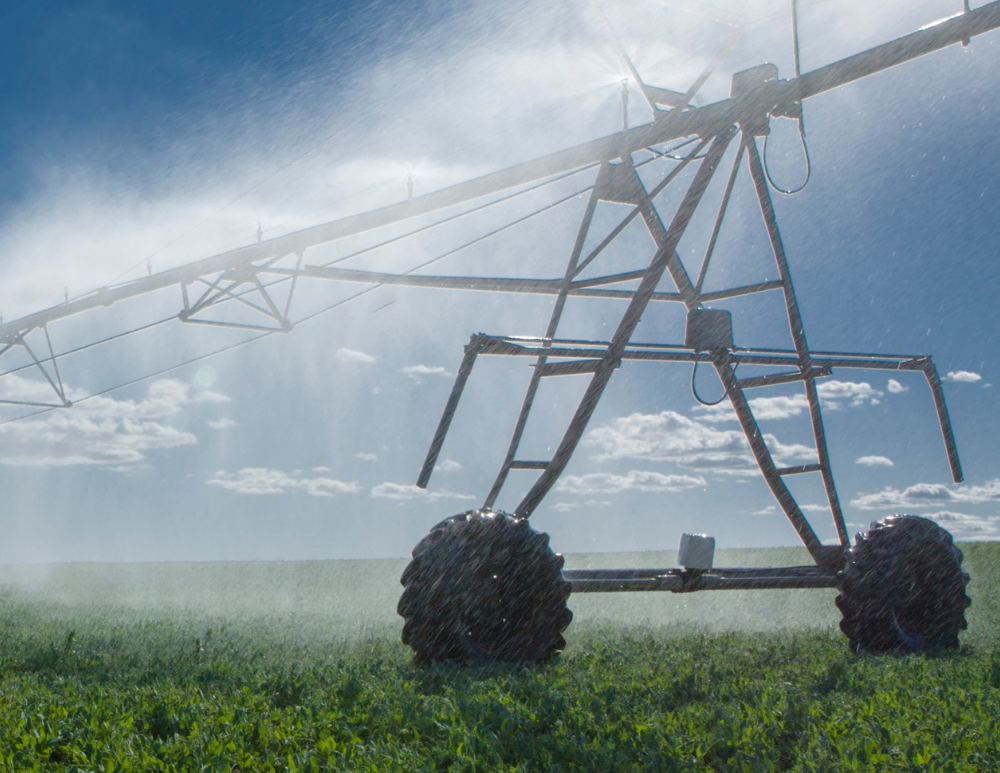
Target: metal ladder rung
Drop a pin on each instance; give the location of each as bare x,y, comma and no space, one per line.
515,465
799,469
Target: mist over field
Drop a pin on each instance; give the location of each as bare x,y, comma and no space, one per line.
356,599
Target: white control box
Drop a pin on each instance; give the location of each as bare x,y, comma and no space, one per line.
696,551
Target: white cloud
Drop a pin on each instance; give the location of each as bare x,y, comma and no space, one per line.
366,457
769,510
101,431
414,372
670,436
447,465
351,355
963,375
221,424
565,507
855,393
261,480
398,491
425,370
895,387
636,480
781,407
321,469
833,395
929,495
967,527
874,461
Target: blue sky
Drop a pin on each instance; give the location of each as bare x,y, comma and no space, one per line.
143,136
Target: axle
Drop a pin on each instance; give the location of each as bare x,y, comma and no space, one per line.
690,580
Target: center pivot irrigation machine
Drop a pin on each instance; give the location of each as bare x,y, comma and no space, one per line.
484,584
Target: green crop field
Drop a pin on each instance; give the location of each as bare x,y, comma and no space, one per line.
297,666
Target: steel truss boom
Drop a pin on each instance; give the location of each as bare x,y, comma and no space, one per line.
776,97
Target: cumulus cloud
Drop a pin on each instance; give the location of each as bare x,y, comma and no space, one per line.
101,431
366,457
895,387
961,525
833,395
670,436
400,492
782,407
352,355
447,465
221,424
963,375
415,372
565,507
261,480
874,461
929,495
636,480
967,527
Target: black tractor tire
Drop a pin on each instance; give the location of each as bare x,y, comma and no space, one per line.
902,588
484,586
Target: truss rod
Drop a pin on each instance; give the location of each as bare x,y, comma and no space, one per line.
55,388
765,462
798,337
510,285
718,220
665,252
934,382
507,346
557,310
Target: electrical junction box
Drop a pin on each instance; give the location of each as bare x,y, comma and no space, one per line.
709,329
747,81
696,551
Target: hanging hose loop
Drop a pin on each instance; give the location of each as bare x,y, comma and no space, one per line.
694,388
805,150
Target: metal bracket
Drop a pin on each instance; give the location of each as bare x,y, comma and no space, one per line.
18,339
224,288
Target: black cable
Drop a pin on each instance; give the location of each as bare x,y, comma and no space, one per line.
328,308
694,389
458,215
304,320
805,149
92,345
